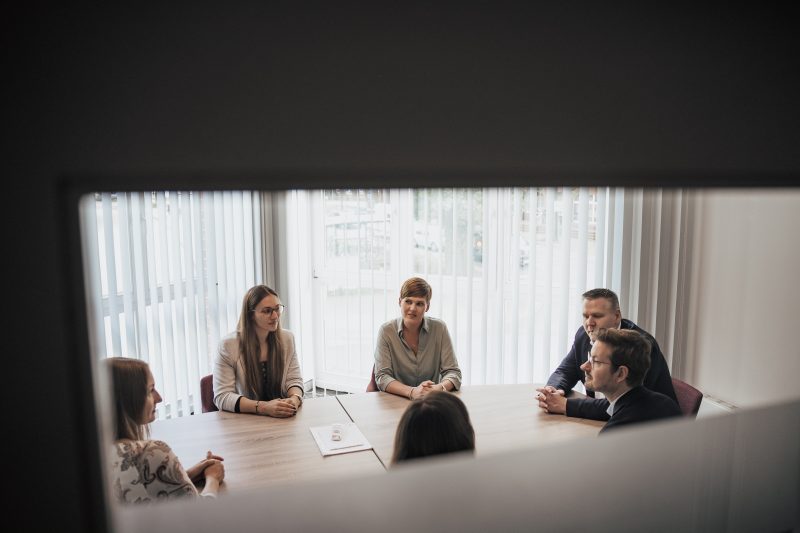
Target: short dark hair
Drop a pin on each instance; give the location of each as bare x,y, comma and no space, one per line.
608,294
629,348
435,424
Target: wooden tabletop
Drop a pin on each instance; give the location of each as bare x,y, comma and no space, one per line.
505,417
260,450
376,414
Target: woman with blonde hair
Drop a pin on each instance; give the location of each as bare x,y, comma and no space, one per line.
147,470
256,370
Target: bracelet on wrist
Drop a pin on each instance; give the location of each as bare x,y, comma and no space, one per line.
257,403
411,393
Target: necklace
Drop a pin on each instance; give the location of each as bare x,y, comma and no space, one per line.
413,345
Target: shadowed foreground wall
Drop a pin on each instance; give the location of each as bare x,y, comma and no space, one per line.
277,95
736,472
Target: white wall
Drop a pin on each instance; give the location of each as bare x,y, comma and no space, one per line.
744,347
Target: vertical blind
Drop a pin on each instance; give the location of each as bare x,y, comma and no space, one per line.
507,267
165,273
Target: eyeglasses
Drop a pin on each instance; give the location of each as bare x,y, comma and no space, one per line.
594,361
267,311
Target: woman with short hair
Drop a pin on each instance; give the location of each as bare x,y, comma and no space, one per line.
414,354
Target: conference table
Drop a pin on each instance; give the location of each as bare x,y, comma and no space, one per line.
505,417
261,451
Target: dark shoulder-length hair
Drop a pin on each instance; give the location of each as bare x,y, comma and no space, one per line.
249,348
129,392
435,424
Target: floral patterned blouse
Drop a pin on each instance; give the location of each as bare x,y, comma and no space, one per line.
144,471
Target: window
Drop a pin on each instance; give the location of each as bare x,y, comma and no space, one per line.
165,273
504,267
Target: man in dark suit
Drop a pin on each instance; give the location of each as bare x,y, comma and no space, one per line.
600,311
617,365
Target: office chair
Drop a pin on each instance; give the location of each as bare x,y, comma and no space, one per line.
372,387
689,398
207,394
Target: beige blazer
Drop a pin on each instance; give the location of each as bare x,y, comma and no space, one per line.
229,371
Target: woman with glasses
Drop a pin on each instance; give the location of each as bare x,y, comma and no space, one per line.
414,354
256,370
147,470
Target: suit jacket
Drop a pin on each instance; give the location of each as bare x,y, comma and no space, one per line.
641,405
569,373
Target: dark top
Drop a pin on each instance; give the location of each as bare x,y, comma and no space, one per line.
265,396
641,405
569,373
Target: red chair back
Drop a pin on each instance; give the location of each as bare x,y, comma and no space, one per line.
689,398
207,394
372,387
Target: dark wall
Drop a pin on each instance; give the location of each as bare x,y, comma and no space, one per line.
277,95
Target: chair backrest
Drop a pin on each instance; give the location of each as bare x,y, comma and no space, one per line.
689,398
372,387
207,393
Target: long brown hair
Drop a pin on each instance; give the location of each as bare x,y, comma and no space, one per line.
129,382
249,348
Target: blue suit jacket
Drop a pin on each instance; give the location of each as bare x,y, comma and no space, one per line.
569,373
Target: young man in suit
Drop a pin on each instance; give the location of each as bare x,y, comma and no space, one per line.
600,311
616,367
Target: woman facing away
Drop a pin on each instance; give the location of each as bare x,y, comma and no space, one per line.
436,424
414,354
256,369
146,470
